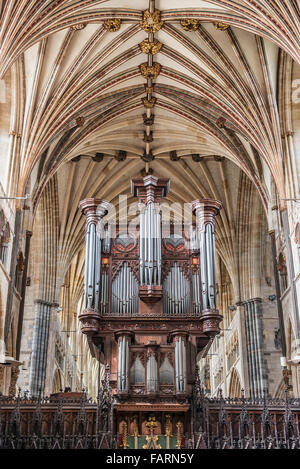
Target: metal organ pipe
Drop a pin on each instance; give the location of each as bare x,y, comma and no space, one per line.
106,240
123,363
206,210
104,293
177,366
152,371
97,269
158,241
184,365
142,248
91,266
176,292
87,247
119,364
150,191
124,292
150,246
180,364
94,209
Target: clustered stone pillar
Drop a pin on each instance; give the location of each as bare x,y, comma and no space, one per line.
254,332
94,210
206,211
40,347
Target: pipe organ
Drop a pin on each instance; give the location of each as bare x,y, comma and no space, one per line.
150,301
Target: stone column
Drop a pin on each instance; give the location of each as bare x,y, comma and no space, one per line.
94,210
206,211
38,363
255,346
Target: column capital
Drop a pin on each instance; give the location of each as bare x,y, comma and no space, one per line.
94,209
121,333
174,335
207,209
251,300
150,188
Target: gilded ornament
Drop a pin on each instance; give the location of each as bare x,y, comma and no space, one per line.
168,426
78,27
179,437
124,435
135,428
112,25
149,89
221,26
149,103
190,24
151,21
152,442
150,71
151,424
148,47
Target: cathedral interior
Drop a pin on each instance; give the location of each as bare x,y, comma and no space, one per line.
150,223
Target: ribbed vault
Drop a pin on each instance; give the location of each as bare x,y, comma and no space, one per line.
80,88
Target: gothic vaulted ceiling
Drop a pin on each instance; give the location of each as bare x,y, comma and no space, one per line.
79,86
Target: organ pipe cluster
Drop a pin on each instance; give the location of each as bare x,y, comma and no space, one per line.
150,245
150,190
125,292
94,209
176,292
206,211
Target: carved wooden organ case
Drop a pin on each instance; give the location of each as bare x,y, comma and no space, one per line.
150,298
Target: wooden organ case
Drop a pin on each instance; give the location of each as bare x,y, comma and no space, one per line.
150,309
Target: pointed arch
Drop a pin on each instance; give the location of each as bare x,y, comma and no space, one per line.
57,381
235,388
